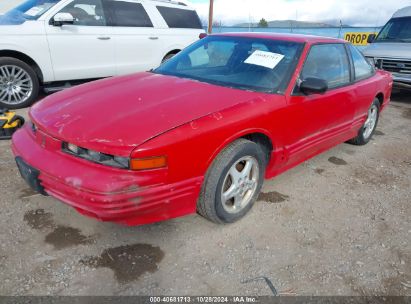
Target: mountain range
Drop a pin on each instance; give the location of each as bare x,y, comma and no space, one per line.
294,24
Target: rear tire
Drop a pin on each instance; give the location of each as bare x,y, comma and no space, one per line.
368,129
19,84
233,182
168,57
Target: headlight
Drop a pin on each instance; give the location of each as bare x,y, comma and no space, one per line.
72,148
97,157
371,61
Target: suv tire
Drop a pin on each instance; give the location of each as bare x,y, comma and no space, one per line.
19,84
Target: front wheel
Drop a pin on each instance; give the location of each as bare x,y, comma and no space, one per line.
233,182
19,85
367,130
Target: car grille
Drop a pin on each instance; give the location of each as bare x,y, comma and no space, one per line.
395,66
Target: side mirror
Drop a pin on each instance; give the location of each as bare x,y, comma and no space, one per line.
313,86
371,38
63,18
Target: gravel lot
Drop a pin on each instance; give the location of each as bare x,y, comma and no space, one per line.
339,224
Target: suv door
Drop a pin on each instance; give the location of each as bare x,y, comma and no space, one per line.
84,49
137,47
321,119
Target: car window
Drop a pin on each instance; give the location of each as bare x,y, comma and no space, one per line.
237,62
128,14
361,66
328,62
180,18
396,30
86,12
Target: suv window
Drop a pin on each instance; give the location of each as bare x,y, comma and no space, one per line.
328,62
361,66
86,12
213,54
128,14
180,18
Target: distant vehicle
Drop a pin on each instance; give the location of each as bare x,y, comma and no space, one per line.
391,49
55,43
203,130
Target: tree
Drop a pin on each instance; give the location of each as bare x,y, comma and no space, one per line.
218,23
263,23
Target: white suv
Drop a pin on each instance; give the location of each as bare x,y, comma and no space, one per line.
54,43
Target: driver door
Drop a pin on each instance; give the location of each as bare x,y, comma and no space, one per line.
84,49
321,120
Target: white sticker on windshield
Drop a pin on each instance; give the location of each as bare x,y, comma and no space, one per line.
265,59
34,11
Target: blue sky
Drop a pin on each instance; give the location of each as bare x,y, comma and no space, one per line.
353,12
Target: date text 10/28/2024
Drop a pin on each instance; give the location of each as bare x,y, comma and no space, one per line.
197,299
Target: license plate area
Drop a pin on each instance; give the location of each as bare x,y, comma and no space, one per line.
30,175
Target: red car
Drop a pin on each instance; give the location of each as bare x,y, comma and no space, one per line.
202,131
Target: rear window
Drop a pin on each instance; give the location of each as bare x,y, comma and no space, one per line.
128,14
180,18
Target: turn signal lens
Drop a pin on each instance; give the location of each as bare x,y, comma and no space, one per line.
148,163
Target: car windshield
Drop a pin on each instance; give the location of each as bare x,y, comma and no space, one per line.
254,64
31,9
396,30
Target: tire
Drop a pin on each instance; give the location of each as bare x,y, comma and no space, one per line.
238,156
19,84
368,129
168,57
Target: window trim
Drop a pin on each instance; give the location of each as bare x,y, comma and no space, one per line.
296,91
354,80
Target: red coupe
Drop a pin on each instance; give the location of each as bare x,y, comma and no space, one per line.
202,131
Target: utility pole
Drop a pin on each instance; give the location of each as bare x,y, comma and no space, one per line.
210,17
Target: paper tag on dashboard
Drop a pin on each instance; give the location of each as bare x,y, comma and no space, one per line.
265,59
34,11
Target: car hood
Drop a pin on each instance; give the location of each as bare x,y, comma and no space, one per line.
389,50
115,115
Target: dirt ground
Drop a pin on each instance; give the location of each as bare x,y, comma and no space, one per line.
339,224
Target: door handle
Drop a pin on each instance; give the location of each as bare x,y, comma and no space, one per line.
153,38
104,38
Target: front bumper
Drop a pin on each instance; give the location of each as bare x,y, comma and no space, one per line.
402,80
105,193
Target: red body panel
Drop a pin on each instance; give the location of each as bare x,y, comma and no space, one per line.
147,115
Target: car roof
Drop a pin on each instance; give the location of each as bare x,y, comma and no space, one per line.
404,12
310,39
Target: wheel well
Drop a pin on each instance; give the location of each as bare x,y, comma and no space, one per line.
380,98
26,59
262,140
173,52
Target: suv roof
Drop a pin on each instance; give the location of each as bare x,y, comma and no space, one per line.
169,2
404,12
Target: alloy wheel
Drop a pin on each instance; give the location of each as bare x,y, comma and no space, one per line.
371,121
16,85
240,184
